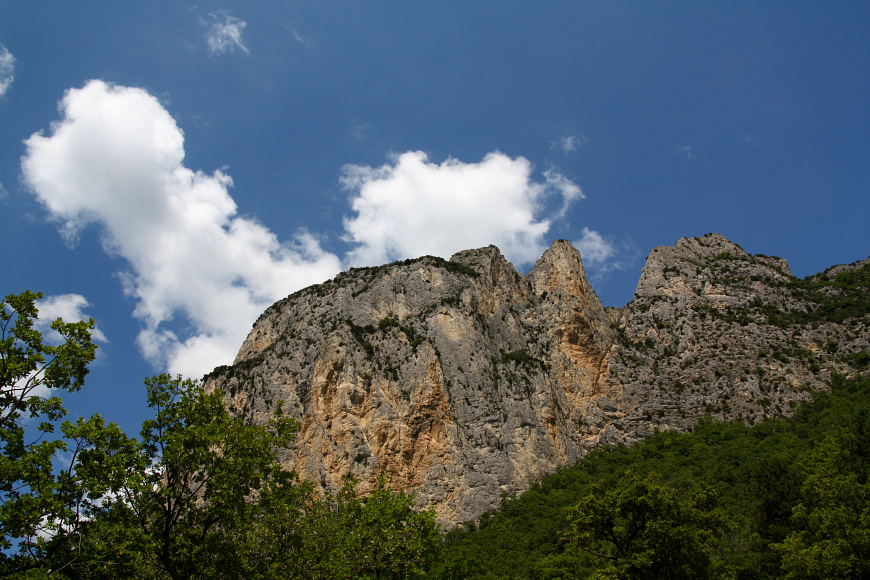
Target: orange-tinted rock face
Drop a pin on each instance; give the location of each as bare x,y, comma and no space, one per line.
464,380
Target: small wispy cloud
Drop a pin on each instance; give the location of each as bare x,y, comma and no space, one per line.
7,69
570,191
294,31
604,254
224,33
594,248
686,152
360,129
569,143
753,141
298,37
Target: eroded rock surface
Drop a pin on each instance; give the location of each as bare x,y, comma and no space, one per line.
464,380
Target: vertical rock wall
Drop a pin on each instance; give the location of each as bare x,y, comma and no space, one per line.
464,380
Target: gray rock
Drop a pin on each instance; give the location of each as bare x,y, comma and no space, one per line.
465,381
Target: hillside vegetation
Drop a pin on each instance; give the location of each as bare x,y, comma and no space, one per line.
783,498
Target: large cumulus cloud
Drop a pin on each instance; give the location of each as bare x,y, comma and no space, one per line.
115,158
411,207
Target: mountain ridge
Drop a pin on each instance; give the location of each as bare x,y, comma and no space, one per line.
464,380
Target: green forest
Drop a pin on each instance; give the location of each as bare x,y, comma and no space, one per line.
785,498
201,494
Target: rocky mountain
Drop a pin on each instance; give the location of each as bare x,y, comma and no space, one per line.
464,380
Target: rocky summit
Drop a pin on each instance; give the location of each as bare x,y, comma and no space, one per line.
463,380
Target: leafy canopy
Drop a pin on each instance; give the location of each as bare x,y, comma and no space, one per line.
36,500
201,494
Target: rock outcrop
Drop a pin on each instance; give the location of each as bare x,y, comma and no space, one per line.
715,330
464,380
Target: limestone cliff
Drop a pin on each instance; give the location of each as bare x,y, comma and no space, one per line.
715,330
464,380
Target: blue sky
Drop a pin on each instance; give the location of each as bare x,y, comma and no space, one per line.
170,169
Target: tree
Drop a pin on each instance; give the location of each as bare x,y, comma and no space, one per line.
37,501
775,486
201,495
381,535
342,536
183,496
645,528
832,539
204,496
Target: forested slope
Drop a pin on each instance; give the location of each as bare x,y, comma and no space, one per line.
783,498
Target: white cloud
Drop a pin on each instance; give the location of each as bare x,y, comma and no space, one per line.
686,151
299,38
594,249
360,129
7,69
70,308
115,159
411,207
569,143
225,34
570,191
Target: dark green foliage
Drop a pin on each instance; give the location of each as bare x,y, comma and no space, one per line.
201,495
759,475
520,357
453,301
359,334
413,338
846,295
774,486
238,370
647,529
726,314
455,267
343,536
858,360
37,501
461,269
831,518
387,323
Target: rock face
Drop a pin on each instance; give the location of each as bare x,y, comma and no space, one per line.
715,330
465,381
